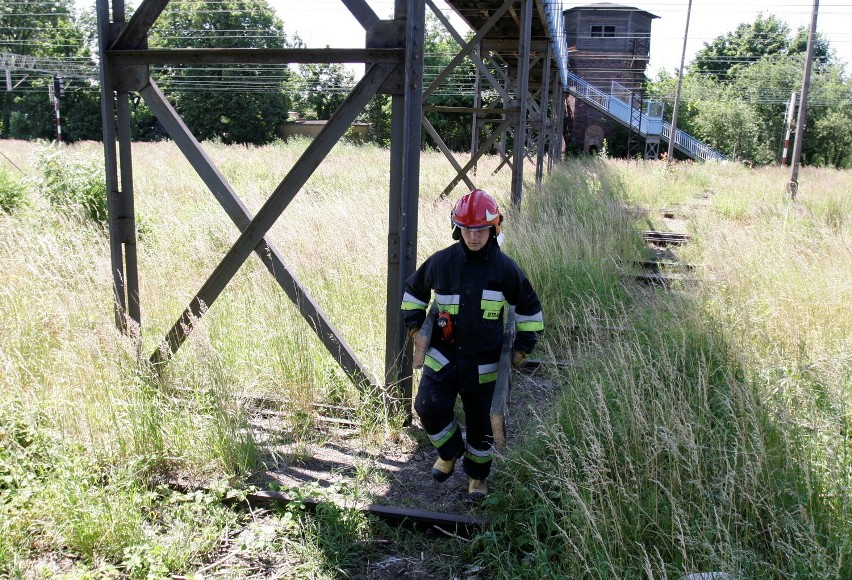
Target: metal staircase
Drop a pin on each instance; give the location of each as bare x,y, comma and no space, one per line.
647,122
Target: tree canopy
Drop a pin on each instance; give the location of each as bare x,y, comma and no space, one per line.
734,96
37,28
238,103
736,93
322,88
725,55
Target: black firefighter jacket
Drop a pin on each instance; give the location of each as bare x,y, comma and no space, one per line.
475,289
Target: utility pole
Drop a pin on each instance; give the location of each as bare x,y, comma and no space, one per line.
788,123
56,90
793,186
673,134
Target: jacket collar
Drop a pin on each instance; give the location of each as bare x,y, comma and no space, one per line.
488,253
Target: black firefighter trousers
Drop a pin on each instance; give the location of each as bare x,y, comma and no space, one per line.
435,403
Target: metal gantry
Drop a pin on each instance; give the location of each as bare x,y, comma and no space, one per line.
518,53
522,64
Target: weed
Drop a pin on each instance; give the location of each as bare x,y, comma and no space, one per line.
12,192
701,431
73,184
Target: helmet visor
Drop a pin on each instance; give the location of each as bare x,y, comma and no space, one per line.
471,228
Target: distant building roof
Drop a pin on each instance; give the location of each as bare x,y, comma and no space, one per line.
610,6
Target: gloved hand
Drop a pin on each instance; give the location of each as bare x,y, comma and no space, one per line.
412,332
518,357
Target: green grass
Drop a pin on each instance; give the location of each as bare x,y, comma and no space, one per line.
703,429
712,435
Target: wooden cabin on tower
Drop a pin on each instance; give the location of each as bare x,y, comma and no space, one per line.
609,46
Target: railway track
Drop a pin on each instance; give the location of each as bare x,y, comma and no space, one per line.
453,524
448,524
657,272
659,238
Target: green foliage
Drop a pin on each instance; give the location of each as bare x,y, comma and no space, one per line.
42,474
378,114
725,55
823,53
455,91
735,95
49,22
81,113
25,458
93,512
246,103
693,430
45,28
833,132
733,126
72,184
12,191
828,129
743,116
321,89
29,115
667,451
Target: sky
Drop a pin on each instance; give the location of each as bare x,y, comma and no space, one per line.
328,22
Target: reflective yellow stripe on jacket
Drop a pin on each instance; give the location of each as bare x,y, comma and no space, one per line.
488,373
448,303
492,303
532,323
435,360
410,302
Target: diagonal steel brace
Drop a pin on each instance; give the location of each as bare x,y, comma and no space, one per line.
241,217
252,237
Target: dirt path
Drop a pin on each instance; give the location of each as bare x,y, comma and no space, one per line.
395,474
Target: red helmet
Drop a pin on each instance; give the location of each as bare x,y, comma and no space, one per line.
476,210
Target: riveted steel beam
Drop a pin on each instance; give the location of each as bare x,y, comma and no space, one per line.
256,56
393,54
523,94
404,196
121,219
135,33
543,121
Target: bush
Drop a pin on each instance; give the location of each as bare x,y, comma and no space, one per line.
12,192
75,185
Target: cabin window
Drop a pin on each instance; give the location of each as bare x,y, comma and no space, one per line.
600,31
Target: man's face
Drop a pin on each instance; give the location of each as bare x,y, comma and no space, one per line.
475,240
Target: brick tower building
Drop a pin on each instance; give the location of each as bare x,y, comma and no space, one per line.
609,46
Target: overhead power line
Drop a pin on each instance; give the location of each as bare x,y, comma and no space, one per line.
52,66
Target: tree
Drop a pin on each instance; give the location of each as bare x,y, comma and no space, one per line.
39,28
238,104
823,53
378,114
322,88
829,124
726,54
767,85
834,132
439,49
737,89
732,126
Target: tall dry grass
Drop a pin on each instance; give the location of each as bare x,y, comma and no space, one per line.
73,383
704,429
60,350
709,431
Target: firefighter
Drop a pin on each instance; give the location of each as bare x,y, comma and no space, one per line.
474,282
